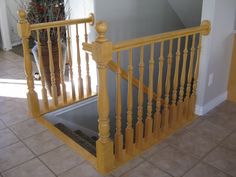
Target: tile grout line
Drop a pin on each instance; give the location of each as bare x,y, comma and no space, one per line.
36,156
160,168
217,169
202,158
129,169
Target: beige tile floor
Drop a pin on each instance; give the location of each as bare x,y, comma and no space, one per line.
206,148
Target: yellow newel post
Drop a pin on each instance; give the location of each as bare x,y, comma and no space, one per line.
102,54
24,32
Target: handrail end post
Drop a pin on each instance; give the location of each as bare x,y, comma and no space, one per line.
206,24
24,32
102,54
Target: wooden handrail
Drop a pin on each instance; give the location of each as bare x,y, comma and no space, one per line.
204,29
114,67
40,26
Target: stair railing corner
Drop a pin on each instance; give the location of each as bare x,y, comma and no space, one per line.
101,51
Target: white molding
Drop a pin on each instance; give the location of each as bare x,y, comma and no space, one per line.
201,110
75,106
16,43
4,27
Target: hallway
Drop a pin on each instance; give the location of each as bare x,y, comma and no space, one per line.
206,148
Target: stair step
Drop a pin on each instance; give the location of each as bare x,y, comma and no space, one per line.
87,143
86,137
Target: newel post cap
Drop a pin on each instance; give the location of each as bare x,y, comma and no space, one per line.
22,16
101,28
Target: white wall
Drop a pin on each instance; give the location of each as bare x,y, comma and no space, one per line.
216,53
127,20
4,27
131,19
12,8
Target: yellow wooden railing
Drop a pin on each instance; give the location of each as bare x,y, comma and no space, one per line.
173,65
60,95
176,56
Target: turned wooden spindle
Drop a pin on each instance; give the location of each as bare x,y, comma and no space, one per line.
88,78
61,66
157,116
148,121
80,80
166,116
189,80
69,57
173,107
42,73
24,32
52,71
195,79
181,119
102,55
139,124
129,132
118,134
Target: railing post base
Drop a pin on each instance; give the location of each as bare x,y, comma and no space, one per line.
33,104
105,156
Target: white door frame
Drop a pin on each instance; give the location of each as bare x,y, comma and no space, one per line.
4,27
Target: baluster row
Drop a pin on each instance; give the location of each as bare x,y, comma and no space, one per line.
53,79
176,80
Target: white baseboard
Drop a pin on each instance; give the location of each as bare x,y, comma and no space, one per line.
76,105
201,110
16,43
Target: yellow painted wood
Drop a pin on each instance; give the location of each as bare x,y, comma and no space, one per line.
124,74
52,71
80,79
70,64
61,67
204,29
118,134
67,140
173,107
166,115
102,54
24,32
157,116
149,121
195,78
62,23
139,124
42,73
129,132
232,78
88,78
180,104
189,81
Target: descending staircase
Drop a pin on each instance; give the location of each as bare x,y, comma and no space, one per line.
89,143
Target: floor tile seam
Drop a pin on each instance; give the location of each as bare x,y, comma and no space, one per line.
203,157
159,168
14,166
35,155
217,169
77,165
130,168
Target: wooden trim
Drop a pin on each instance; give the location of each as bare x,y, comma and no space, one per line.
114,67
133,43
67,140
61,23
232,78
